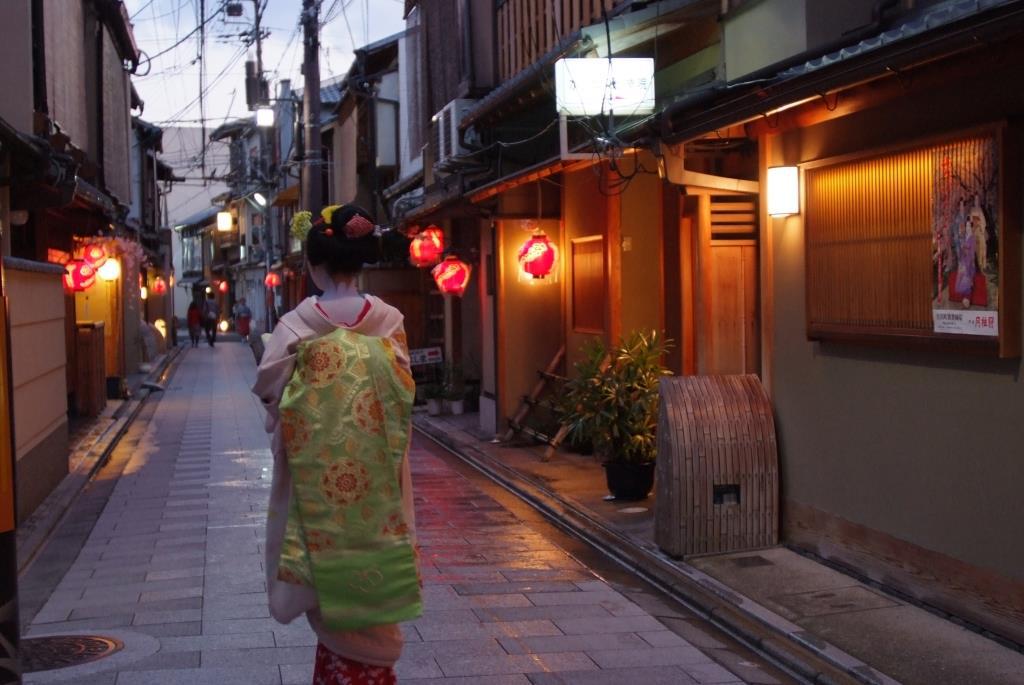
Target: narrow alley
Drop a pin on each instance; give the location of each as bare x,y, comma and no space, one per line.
173,570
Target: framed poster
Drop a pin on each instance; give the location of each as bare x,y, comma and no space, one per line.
966,220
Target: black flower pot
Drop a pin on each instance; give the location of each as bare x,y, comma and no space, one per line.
629,481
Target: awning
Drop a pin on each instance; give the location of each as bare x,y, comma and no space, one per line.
288,196
536,172
196,223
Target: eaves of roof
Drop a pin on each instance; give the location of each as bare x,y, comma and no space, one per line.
948,29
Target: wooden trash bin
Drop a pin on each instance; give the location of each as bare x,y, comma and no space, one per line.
91,371
717,467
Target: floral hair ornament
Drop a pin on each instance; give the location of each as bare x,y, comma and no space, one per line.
302,224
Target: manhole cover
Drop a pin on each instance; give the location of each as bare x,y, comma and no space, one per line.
61,651
751,561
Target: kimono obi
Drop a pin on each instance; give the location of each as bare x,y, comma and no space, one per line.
345,422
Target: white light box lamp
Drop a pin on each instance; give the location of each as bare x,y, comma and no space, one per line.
264,117
225,222
783,190
590,87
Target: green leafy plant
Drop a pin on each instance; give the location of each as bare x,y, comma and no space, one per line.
432,391
614,401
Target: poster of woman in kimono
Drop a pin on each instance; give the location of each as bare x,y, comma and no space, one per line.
965,237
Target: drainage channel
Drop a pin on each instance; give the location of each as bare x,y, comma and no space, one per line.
801,665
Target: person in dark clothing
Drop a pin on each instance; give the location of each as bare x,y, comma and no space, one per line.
211,317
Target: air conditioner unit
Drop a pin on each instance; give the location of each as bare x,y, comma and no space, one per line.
447,126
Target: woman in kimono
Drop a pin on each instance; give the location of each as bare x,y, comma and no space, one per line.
336,384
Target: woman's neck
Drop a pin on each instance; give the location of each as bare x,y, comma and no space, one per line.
341,302
339,290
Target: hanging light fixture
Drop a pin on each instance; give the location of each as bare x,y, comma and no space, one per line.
452,276
538,256
222,286
159,286
427,247
272,280
110,270
95,255
78,276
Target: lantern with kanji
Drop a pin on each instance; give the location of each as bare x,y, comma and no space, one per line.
452,276
427,247
222,286
272,280
78,276
94,255
159,286
538,256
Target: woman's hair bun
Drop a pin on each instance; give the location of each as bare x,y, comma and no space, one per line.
338,252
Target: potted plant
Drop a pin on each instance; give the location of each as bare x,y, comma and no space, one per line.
454,389
432,393
577,401
617,406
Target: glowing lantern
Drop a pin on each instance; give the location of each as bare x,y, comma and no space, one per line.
222,286
223,326
452,276
427,247
538,256
161,326
144,293
78,276
272,280
159,286
95,255
110,271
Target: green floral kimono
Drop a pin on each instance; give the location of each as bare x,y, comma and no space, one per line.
345,419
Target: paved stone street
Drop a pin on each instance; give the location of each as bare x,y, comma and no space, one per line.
174,569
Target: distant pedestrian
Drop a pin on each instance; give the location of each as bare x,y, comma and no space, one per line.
195,323
335,381
211,317
243,318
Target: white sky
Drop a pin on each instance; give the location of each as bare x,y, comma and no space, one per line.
171,89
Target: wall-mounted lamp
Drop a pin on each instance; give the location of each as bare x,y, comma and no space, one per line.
783,190
260,200
264,117
144,293
224,221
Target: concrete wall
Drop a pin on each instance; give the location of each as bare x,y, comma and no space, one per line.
585,213
922,446
38,361
642,278
531,319
16,63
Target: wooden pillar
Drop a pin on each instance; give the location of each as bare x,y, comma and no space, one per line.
613,253
703,282
767,263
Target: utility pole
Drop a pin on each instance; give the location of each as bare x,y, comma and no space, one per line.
312,171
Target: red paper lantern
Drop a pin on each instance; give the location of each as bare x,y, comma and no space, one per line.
222,286
159,286
78,276
452,276
538,256
272,280
427,247
95,255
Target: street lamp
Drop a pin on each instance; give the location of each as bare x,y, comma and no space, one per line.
260,200
264,116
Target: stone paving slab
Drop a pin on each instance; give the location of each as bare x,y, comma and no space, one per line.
177,555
